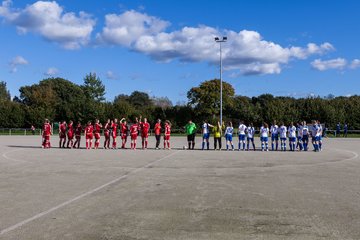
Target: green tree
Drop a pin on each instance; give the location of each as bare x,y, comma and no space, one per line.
4,93
140,99
206,97
93,88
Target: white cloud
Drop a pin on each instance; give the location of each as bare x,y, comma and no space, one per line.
50,21
338,63
355,64
111,75
246,50
15,62
51,72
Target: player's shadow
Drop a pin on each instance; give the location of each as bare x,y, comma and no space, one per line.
18,146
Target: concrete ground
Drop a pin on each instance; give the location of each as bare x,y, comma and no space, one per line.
178,194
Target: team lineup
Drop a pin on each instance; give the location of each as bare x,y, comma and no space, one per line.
297,136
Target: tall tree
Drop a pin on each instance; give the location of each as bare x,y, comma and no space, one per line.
4,93
140,99
93,87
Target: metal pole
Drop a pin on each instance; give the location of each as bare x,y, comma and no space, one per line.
221,88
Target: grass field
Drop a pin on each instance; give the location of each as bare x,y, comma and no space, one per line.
178,194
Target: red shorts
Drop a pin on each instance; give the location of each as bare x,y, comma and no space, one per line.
114,135
134,136
97,135
107,135
70,135
123,136
145,135
89,136
62,135
167,137
46,138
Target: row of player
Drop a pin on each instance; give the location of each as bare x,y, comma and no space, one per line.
298,135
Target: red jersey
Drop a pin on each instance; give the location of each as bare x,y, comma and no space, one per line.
157,129
97,128
167,130
107,127
124,129
78,130
63,128
70,128
89,129
47,129
145,127
134,129
114,127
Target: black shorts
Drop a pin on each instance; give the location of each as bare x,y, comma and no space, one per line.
191,137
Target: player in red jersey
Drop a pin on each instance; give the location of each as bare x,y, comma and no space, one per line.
62,134
114,127
97,131
70,134
167,134
144,129
124,132
134,130
78,131
46,134
89,129
107,134
157,131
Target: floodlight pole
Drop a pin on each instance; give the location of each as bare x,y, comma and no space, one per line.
220,41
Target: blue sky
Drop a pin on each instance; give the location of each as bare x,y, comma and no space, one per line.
287,48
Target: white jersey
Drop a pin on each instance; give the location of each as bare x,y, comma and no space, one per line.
250,132
205,128
300,131
292,131
229,131
242,129
282,131
274,129
264,132
305,130
315,131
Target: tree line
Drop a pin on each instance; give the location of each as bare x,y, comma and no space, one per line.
59,99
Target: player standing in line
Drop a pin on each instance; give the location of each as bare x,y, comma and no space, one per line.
241,132
206,134
229,136
70,134
134,130
144,127
283,136
292,136
97,131
264,137
157,131
315,133
114,128
217,129
124,129
305,134
190,129
299,129
250,136
89,129
62,134
167,135
274,130
47,131
107,134
321,134
78,131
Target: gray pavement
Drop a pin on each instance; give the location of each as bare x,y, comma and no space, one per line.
178,194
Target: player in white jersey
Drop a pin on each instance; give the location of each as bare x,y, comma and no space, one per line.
274,130
299,129
321,134
264,135
229,135
283,131
241,132
292,136
315,135
206,134
250,130
305,134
